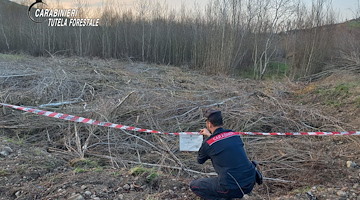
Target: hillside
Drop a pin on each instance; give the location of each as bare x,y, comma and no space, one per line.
7,5
11,12
45,158
249,44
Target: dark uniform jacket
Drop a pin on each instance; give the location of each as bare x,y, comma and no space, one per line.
227,154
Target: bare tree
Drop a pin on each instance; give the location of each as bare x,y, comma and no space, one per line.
228,37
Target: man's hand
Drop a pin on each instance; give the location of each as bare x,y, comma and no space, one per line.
205,132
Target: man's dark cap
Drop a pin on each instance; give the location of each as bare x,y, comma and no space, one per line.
209,112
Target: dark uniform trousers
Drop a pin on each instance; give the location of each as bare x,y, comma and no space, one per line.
209,188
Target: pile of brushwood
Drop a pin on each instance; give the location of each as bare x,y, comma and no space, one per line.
171,99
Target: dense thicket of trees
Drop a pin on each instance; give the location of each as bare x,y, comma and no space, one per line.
229,37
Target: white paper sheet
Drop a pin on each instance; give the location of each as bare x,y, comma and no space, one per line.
190,142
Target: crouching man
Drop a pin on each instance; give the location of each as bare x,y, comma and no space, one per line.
236,174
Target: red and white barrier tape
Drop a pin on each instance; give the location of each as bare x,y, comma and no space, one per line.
130,128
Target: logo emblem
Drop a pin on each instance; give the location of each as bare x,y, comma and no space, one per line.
29,10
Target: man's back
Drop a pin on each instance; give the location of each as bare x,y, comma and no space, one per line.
226,151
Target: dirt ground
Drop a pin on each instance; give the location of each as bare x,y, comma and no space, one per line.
34,173
44,158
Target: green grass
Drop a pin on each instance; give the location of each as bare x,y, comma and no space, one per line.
151,175
17,141
354,24
334,103
336,96
246,74
98,169
38,151
4,172
12,57
117,173
86,165
275,70
152,197
136,171
357,102
21,169
301,190
78,170
340,90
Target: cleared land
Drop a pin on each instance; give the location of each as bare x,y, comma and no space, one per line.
55,159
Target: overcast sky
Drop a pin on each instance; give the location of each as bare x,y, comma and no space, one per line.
346,8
